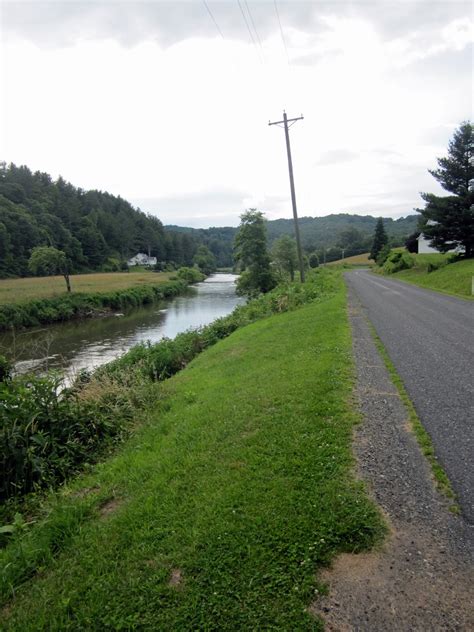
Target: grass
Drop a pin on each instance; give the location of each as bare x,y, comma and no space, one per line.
356,260
424,440
219,511
453,278
21,290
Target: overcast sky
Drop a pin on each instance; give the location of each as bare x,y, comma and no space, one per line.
167,103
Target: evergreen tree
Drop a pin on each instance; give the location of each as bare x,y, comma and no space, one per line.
449,220
251,251
380,239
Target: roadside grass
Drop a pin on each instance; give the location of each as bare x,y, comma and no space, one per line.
455,278
356,260
22,290
219,510
434,272
424,440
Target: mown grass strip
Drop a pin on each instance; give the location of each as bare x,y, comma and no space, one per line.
424,440
225,503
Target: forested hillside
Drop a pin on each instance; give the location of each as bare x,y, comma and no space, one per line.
331,233
100,231
96,230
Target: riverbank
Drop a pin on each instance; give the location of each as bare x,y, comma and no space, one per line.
234,490
78,305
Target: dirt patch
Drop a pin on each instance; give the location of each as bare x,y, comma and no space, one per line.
176,579
109,507
423,576
82,493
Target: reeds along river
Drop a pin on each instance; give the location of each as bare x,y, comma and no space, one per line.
70,347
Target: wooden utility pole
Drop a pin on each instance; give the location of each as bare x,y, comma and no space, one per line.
285,122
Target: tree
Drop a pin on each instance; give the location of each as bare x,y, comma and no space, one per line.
380,239
285,256
411,242
205,260
250,249
449,220
313,260
46,260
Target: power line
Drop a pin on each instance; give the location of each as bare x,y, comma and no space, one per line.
255,29
213,18
248,26
281,32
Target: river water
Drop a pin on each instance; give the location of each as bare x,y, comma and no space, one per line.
86,344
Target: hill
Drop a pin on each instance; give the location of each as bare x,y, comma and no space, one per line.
331,233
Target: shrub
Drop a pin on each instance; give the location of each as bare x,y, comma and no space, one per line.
397,261
47,433
383,255
190,275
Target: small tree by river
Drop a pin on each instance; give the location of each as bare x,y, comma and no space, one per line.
46,260
250,249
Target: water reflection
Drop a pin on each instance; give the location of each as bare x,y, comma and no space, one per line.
86,344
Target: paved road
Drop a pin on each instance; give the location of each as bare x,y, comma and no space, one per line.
430,340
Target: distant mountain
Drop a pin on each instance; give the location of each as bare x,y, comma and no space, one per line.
331,233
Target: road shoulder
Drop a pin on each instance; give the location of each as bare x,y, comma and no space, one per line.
422,578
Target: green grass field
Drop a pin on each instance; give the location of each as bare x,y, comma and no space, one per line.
454,278
218,512
22,290
356,260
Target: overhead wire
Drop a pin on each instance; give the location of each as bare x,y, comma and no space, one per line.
213,18
248,27
281,32
255,29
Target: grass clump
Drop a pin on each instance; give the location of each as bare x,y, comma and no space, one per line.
226,501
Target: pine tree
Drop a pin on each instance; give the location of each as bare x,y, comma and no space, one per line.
380,239
449,220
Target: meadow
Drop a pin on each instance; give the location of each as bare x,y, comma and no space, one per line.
32,288
356,260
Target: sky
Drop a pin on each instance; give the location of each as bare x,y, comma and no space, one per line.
167,104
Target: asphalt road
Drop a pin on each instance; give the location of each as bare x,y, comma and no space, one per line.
430,340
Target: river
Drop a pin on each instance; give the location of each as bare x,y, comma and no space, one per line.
72,346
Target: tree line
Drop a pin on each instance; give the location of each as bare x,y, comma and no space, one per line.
94,229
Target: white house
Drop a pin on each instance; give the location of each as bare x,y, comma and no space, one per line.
424,247
141,259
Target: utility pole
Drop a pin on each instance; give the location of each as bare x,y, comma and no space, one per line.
285,122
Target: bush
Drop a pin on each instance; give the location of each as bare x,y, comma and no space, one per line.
383,254
397,261
190,275
47,433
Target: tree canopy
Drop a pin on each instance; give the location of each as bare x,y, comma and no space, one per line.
251,252
449,220
46,260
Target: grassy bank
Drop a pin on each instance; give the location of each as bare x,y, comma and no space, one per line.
217,513
32,288
83,304
435,272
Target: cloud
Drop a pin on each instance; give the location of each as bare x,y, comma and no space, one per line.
66,22
335,156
